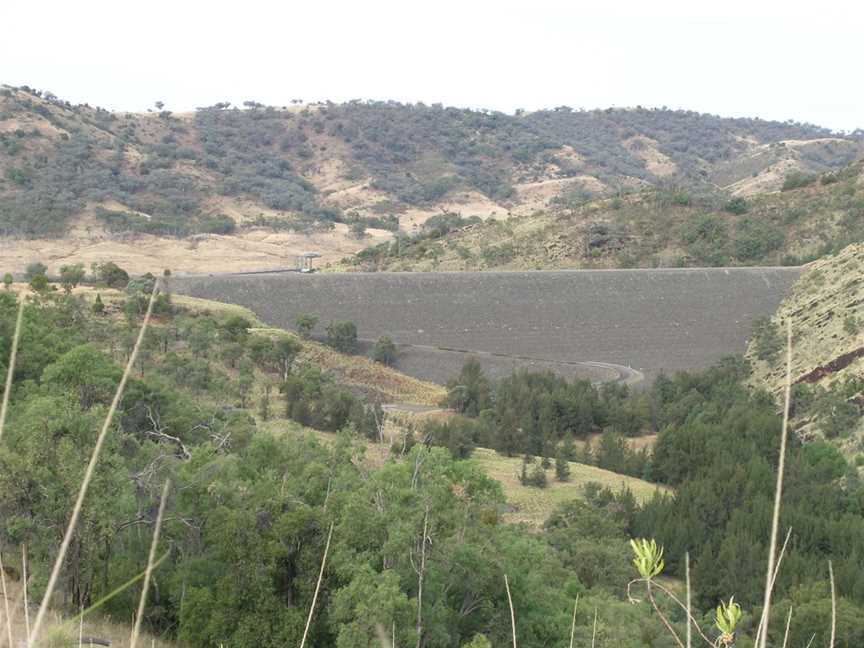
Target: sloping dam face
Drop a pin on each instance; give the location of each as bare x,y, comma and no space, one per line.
594,323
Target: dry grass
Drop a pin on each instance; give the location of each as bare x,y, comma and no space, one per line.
527,504
533,505
373,378
62,630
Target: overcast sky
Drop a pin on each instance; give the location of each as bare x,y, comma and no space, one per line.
774,60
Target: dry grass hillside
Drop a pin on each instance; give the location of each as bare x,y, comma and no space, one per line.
225,189
811,216
826,309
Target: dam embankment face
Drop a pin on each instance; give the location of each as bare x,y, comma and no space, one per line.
650,320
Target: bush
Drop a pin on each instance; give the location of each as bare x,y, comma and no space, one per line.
111,274
34,270
305,324
384,351
562,467
342,336
39,284
737,205
7,280
797,180
754,239
537,477
767,341
71,276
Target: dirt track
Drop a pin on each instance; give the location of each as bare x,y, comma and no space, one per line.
592,323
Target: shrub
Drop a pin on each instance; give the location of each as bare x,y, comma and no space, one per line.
737,205
537,477
342,336
767,341
111,274
755,238
562,467
39,283
7,280
71,276
797,180
35,269
384,351
305,324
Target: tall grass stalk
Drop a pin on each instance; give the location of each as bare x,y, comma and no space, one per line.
151,559
88,476
24,585
512,613
689,607
6,604
573,624
778,494
833,605
761,625
10,372
317,587
788,623
594,631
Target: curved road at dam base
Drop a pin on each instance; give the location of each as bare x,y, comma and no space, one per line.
622,325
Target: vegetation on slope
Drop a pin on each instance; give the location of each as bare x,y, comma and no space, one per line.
250,509
175,175
666,227
825,310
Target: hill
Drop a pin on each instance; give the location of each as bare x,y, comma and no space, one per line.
826,308
656,227
238,189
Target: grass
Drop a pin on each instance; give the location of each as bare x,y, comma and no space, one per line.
63,631
527,504
532,505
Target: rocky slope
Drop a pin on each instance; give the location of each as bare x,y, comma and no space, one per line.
826,308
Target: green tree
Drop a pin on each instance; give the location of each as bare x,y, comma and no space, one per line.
470,392
88,372
305,324
35,269
7,280
342,336
40,284
111,274
71,276
384,351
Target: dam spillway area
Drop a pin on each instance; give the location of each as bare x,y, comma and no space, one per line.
599,324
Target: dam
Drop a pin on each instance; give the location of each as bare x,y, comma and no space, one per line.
600,324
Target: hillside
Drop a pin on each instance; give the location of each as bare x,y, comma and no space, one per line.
812,216
826,307
237,189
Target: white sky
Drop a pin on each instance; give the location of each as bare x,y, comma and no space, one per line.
765,58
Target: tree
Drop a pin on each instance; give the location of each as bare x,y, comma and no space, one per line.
470,392
562,466
35,269
111,274
71,276
88,372
7,280
384,351
342,336
40,284
98,307
358,229
305,324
